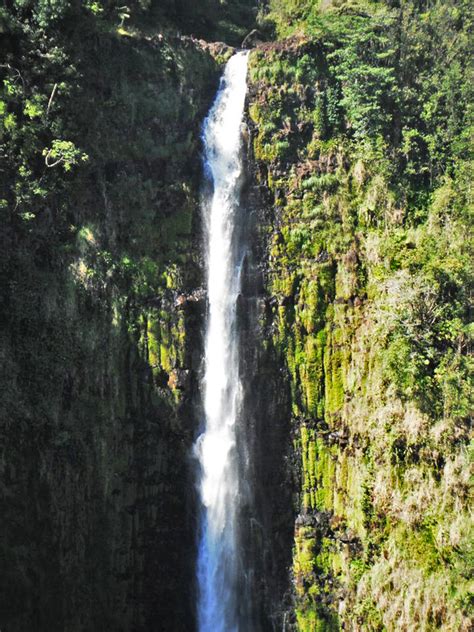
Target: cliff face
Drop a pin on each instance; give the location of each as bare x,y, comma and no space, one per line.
100,263
365,272
265,441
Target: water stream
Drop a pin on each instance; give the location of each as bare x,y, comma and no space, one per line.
219,569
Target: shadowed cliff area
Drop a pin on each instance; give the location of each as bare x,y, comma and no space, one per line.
100,171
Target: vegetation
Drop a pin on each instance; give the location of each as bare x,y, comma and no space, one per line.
361,121
363,130
99,177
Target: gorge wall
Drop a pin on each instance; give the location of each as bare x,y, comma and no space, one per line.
353,313
358,137
99,257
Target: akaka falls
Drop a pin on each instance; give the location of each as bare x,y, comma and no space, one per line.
236,316
218,566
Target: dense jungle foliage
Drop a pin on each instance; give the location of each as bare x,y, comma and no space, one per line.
363,128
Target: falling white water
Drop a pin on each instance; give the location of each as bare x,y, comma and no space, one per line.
218,559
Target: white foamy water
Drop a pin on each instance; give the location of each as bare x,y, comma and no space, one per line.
218,556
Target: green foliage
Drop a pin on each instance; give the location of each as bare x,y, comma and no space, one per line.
99,138
364,60
371,262
62,152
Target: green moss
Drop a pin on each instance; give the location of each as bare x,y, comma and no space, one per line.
326,467
312,375
333,368
311,615
419,545
308,454
369,265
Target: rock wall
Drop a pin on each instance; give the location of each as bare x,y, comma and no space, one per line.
364,271
101,317
265,442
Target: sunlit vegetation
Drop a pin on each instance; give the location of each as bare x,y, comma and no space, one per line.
363,120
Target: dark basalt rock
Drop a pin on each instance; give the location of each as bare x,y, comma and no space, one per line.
267,523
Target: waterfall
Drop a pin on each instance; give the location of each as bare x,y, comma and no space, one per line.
218,566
